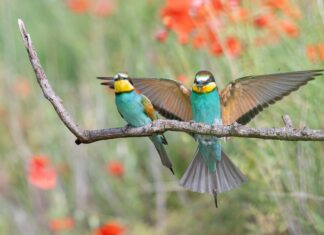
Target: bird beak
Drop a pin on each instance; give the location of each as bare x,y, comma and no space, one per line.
199,84
117,77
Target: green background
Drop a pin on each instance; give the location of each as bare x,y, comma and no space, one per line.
285,191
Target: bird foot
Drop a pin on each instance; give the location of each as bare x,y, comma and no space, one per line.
236,124
126,128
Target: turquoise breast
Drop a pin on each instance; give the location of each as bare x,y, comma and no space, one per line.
206,107
129,105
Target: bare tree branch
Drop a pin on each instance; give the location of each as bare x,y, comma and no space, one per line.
160,126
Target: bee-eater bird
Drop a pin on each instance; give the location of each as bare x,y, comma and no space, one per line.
211,171
137,110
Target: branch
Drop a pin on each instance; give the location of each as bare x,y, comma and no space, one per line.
159,126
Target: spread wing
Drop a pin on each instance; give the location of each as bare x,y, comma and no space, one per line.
244,98
170,98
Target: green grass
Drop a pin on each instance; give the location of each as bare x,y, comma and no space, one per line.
74,49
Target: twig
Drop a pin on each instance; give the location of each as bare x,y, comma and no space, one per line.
159,126
287,121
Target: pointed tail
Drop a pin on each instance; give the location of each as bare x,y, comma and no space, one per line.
158,143
198,178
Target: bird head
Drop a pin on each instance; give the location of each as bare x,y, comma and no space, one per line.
204,82
122,83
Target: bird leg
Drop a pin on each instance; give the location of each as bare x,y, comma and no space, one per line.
215,198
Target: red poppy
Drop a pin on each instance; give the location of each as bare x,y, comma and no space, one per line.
233,46
217,5
320,48
263,20
110,228
78,6
240,14
182,78
40,173
176,16
289,28
201,21
161,35
216,48
199,41
311,53
276,4
115,168
103,8
61,224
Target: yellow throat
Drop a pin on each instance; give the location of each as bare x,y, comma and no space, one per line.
123,86
204,89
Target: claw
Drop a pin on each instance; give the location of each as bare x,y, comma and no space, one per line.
126,127
236,124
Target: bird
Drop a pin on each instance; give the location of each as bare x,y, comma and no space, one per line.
137,110
211,170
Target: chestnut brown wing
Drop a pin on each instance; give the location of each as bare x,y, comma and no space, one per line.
244,98
170,98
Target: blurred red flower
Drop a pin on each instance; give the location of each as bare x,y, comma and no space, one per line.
40,173
115,168
182,78
216,48
204,23
176,16
320,48
289,28
263,20
78,6
110,228
234,46
277,4
103,8
61,224
22,87
315,52
199,40
311,53
161,35
217,5
240,14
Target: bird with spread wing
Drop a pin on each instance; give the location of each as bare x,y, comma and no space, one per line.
211,171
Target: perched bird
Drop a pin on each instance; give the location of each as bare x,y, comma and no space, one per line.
137,110
211,171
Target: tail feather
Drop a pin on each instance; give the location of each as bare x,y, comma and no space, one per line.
158,143
198,178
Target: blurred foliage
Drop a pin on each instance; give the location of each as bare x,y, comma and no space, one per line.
285,191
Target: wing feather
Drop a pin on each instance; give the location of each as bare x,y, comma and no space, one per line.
170,98
244,98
